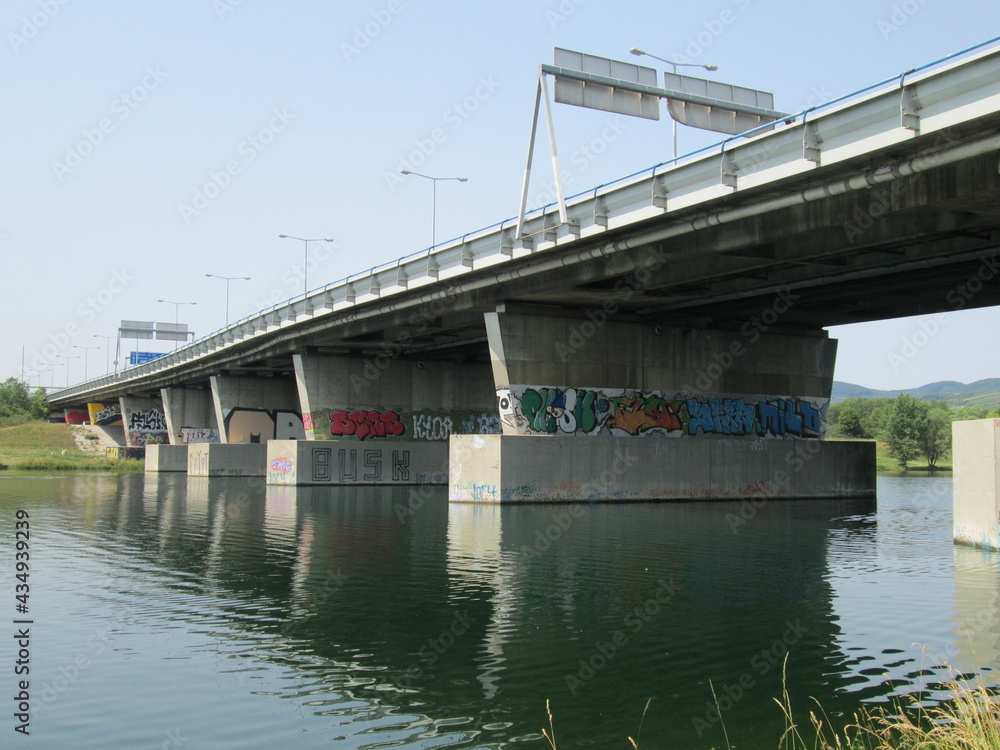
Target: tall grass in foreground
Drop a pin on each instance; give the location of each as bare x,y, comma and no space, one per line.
969,719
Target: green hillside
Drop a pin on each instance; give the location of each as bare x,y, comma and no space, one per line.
982,393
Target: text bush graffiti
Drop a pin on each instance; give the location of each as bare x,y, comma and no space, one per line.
540,410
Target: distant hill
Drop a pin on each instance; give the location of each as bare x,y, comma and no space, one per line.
984,393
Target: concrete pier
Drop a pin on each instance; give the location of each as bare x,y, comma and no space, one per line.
315,462
976,487
512,469
226,460
166,458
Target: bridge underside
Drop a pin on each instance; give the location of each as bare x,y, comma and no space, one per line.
702,323
915,245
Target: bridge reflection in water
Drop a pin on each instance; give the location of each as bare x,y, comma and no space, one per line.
388,614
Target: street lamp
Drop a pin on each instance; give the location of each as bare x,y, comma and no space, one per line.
674,65
227,280
107,351
305,256
85,355
434,182
68,357
177,306
52,372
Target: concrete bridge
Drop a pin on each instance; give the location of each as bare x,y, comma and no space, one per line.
685,304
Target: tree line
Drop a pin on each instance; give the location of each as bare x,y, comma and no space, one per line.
18,405
908,427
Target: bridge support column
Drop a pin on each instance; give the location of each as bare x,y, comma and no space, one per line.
144,421
190,414
390,417
976,487
726,414
251,409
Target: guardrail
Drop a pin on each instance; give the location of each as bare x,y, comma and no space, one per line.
932,98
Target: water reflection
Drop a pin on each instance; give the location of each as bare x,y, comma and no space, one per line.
387,615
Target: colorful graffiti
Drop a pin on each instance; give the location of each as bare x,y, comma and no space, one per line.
640,413
199,435
105,415
260,425
146,427
281,465
550,410
364,424
546,410
75,416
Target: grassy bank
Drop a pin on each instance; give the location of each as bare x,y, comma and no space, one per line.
886,464
43,446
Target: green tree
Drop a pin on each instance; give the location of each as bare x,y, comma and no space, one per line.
18,405
849,420
904,428
936,440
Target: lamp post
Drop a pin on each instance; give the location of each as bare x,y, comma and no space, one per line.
177,306
434,182
227,280
674,66
52,372
68,357
85,355
305,256
107,351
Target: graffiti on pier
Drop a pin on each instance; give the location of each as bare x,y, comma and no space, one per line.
260,425
199,435
790,416
359,466
641,413
151,420
105,415
548,410
76,416
146,427
724,416
426,427
364,424
480,424
388,424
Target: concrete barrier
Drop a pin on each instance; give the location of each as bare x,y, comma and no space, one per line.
976,484
226,459
502,468
342,462
166,458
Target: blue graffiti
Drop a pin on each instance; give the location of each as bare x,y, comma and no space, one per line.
789,417
733,416
727,416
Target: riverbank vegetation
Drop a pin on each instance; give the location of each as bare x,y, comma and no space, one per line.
906,429
18,405
46,446
967,719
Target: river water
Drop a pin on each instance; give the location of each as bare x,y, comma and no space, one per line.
176,612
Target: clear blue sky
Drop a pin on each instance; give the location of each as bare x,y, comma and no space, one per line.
119,112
